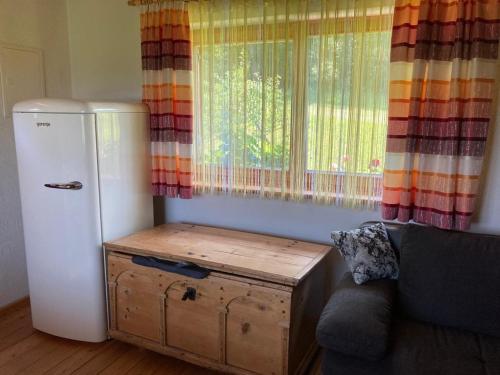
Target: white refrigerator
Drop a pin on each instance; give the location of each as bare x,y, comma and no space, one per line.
84,174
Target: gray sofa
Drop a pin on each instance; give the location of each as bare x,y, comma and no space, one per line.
441,317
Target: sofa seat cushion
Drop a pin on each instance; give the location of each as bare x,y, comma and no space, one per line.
423,349
441,350
490,353
451,278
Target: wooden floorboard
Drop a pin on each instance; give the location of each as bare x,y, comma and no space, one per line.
15,323
24,350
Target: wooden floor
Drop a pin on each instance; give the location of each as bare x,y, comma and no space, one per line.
23,350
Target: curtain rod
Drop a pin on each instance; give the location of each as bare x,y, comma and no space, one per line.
144,2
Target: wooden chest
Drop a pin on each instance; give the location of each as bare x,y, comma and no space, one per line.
255,313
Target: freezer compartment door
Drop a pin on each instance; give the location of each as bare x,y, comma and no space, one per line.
57,162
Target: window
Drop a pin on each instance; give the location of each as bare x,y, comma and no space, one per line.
290,98
231,107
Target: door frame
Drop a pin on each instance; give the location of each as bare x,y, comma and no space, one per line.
4,113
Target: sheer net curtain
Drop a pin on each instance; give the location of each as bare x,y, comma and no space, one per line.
290,98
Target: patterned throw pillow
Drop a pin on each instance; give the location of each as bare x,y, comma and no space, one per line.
368,253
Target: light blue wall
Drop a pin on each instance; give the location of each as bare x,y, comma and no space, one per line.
306,221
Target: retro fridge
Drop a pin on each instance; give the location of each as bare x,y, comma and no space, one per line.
84,174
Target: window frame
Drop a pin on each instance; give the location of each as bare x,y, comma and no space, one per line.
372,181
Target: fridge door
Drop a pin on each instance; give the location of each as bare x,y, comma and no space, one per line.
58,178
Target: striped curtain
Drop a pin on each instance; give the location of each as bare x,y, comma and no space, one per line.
443,68
167,81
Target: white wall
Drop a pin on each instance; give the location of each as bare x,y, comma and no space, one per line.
105,49
487,218
40,24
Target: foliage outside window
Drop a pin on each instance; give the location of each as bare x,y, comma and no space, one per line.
291,98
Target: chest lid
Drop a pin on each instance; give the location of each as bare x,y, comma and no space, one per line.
253,255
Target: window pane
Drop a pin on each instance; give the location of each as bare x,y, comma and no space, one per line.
339,108
291,98
243,104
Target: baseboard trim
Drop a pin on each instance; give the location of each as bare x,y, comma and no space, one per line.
19,303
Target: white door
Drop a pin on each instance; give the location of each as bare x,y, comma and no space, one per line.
21,76
56,153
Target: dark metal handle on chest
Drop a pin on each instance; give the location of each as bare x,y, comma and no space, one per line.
189,294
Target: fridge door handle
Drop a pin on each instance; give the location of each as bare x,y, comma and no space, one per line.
73,185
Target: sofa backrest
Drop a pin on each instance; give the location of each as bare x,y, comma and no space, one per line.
450,278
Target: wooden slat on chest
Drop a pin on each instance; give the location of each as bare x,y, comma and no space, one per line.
264,257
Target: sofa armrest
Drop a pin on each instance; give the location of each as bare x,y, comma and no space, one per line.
357,319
